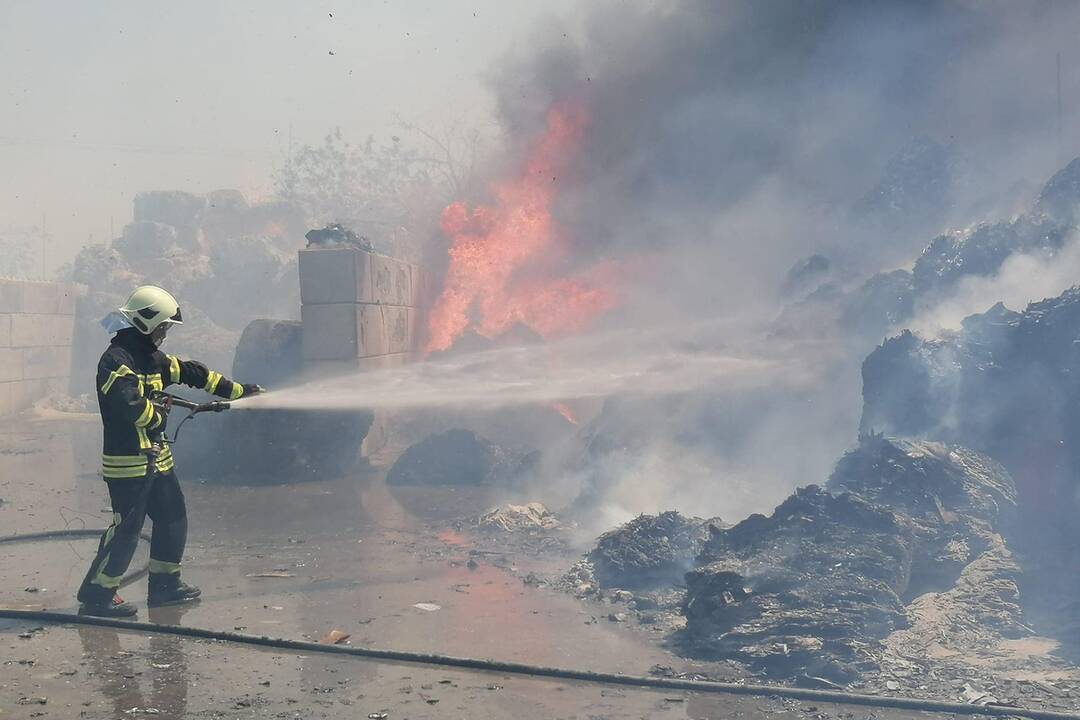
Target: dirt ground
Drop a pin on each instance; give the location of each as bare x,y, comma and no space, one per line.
347,554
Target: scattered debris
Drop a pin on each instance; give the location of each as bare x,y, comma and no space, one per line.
512,518
336,235
27,634
973,695
335,637
271,574
533,580
32,701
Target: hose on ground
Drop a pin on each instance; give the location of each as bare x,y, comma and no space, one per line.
513,668
74,534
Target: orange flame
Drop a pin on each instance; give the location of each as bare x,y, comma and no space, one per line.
564,410
503,255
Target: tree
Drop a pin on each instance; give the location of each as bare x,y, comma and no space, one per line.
389,192
20,247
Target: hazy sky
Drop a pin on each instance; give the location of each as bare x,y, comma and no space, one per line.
104,99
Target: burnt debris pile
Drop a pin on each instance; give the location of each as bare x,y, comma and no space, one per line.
815,589
461,457
884,301
1007,383
648,552
639,568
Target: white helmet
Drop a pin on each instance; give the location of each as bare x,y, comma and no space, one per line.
149,307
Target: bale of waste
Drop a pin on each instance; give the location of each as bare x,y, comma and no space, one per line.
171,207
271,446
146,239
461,457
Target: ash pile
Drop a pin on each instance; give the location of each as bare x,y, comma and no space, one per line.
816,589
905,546
639,567
1007,384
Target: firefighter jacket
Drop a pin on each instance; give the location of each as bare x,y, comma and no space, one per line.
129,370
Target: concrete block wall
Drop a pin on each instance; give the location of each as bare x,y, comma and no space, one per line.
37,321
359,310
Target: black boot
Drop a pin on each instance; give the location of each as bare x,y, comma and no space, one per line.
103,602
170,590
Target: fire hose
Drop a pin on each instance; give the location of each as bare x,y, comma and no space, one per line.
525,670
482,664
164,401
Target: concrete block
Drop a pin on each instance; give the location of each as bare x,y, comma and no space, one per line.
315,370
416,329
390,281
11,364
335,275
374,338
7,405
46,362
382,362
25,393
32,330
417,283
5,330
329,332
56,385
397,329
68,296
41,297
11,296
403,283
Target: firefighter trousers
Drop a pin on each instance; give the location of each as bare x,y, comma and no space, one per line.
158,496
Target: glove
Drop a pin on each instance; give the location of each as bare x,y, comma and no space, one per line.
162,412
252,389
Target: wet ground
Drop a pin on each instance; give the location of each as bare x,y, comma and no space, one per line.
297,562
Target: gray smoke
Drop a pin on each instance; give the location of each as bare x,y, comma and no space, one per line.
741,133
729,139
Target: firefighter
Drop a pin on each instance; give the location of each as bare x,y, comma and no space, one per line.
136,464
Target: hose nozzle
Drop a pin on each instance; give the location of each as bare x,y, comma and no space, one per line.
165,398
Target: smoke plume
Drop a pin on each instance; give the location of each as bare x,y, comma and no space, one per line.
726,140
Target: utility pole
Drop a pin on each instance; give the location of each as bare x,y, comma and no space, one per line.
1060,148
43,236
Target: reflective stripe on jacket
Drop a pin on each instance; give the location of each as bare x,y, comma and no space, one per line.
129,369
